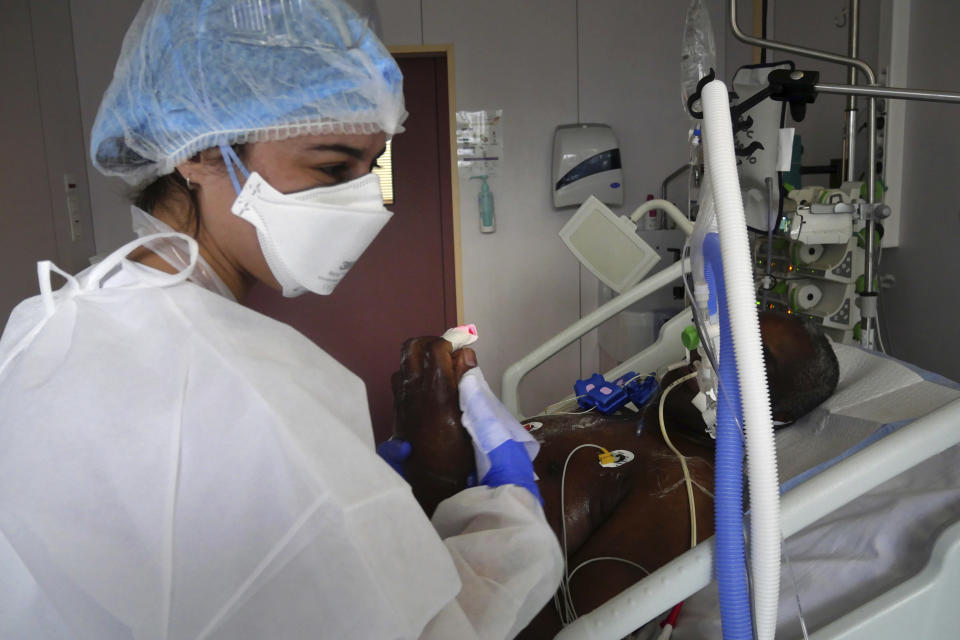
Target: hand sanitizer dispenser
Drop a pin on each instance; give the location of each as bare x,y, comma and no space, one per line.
485,204
586,162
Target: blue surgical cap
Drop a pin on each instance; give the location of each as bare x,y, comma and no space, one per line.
194,74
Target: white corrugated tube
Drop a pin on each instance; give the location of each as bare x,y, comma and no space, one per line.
741,300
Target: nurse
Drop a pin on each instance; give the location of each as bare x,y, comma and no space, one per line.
174,465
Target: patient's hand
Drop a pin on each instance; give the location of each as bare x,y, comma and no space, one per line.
427,415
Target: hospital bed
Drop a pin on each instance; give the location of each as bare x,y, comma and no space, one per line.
887,437
870,481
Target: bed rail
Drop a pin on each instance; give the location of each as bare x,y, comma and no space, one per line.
800,507
516,372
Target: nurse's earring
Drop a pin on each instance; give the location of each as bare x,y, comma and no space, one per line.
186,179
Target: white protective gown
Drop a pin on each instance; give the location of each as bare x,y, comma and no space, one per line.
175,465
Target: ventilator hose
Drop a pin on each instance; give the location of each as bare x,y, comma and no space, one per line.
741,304
731,567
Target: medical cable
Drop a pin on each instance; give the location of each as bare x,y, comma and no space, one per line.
550,408
796,587
708,350
880,343
697,321
630,562
572,413
668,627
563,599
681,457
569,615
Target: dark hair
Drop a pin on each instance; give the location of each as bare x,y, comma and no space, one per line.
166,189
174,186
810,380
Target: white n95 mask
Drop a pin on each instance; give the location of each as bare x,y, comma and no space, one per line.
311,238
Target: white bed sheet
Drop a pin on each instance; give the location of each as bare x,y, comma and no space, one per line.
876,542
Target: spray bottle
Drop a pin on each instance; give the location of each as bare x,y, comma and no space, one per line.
485,202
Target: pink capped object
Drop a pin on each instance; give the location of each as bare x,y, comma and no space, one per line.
462,336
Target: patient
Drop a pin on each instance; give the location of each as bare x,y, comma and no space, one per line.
638,511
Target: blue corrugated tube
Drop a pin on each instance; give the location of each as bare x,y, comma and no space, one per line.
731,567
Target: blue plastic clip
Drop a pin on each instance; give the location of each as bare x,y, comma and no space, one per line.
638,391
595,391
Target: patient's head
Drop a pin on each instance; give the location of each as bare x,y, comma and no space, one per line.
802,369
802,372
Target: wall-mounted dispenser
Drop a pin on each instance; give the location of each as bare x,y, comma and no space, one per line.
586,162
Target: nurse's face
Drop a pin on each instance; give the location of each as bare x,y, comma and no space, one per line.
229,242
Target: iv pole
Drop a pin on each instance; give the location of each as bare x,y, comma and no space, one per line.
868,299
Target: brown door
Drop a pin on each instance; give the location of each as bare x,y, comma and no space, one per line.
26,212
405,283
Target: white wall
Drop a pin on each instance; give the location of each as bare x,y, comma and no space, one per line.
921,311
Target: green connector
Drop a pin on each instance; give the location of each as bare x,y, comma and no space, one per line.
690,338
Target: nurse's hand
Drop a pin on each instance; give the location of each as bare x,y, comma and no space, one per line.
510,464
395,453
504,449
427,415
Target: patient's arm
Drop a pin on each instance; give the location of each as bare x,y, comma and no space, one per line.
427,415
637,511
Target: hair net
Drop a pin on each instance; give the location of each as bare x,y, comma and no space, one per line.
194,74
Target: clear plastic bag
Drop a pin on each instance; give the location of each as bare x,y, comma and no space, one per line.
699,52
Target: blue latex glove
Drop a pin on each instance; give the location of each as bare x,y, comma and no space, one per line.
395,452
510,464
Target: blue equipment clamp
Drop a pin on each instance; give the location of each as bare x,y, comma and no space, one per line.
595,391
640,392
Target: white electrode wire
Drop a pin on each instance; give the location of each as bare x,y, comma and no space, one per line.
796,589
556,405
879,333
569,614
563,599
572,413
761,465
623,560
681,457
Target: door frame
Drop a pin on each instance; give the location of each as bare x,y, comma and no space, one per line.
446,51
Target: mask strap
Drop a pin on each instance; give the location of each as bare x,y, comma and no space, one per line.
231,159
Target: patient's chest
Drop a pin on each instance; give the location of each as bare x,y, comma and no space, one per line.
651,482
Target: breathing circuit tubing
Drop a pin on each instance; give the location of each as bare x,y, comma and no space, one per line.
724,258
